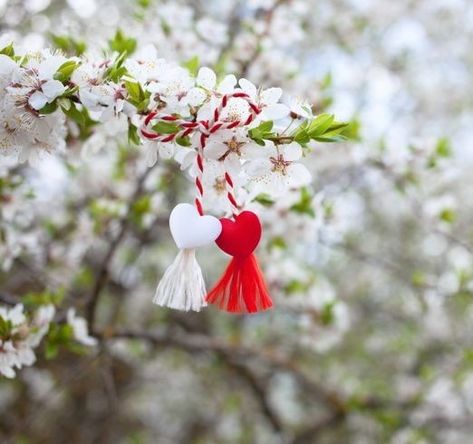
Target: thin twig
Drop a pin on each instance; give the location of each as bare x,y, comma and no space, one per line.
103,273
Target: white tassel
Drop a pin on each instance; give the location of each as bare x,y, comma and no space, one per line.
182,287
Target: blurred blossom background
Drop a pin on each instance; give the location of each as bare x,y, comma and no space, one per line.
370,267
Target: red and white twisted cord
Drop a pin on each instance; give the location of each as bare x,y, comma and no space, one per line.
206,128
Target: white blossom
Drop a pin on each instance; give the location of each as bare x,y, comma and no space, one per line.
277,169
80,329
21,337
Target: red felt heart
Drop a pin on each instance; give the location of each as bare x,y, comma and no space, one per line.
240,237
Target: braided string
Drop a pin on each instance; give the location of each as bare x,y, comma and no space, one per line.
206,128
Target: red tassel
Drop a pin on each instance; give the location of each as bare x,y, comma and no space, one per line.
242,288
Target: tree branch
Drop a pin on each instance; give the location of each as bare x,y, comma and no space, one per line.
103,273
203,343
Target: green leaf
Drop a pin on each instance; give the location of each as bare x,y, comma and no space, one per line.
81,117
443,148
264,199
184,141
5,327
36,299
277,242
294,286
418,278
49,108
122,44
140,208
319,125
75,114
264,127
142,205
134,90
65,71
327,315
192,65
304,206
165,27
68,44
51,350
144,3
326,81
133,137
8,50
448,215
302,137
163,127
137,96
261,132
352,130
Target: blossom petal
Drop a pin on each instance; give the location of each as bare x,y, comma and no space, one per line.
215,150
52,89
37,100
7,66
258,167
248,87
206,78
49,66
275,112
292,151
271,96
195,97
227,85
233,164
166,150
151,151
298,175
188,159
7,371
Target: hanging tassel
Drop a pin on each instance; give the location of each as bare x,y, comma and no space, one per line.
242,288
182,286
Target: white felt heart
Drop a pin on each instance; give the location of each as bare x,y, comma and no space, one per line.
191,230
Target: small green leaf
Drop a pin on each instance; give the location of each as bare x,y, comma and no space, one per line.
302,137
75,114
51,350
5,327
122,44
319,125
36,299
49,108
165,28
144,3
448,215
134,89
65,71
261,132
443,148
8,51
277,242
327,315
192,65
264,199
163,127
133,137
64,103
184,141
81,117
68,44
304,206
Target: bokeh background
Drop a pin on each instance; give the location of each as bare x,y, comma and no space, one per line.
371,267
